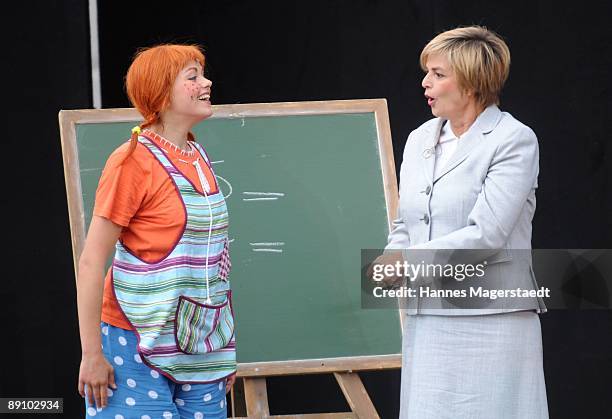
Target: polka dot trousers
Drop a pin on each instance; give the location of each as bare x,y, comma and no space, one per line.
143,393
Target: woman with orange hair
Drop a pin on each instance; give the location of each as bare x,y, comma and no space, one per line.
157,333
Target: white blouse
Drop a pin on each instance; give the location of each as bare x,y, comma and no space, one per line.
445,147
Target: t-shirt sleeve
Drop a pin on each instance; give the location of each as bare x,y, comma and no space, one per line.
122,187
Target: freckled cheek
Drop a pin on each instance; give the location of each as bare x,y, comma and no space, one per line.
191,89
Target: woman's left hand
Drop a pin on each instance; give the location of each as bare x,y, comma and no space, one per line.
229,383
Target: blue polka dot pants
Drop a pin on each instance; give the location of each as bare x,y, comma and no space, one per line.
143,393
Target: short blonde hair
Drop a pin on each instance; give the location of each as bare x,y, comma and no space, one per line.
479,58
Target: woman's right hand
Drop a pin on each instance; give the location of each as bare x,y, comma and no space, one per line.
97,375
377,271
95,372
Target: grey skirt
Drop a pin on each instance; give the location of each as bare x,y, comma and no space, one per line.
473,367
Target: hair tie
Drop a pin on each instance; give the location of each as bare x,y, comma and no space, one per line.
136,130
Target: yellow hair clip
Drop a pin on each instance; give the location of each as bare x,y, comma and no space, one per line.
136,130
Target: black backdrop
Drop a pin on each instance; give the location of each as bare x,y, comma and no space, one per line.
293,51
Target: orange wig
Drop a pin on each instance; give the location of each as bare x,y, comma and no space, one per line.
150,78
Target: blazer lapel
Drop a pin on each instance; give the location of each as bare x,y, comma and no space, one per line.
430,139
484,124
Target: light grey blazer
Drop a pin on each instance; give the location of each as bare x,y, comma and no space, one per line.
484,198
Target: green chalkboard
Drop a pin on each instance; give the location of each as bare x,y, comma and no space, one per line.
308,185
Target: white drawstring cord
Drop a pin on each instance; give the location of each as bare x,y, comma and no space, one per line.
203,179
206,188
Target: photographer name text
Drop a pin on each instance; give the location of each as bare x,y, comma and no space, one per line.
471,292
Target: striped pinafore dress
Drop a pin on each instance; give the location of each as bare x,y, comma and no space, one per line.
180,306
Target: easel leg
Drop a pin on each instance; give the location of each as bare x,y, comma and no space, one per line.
237,396
356,395
256,397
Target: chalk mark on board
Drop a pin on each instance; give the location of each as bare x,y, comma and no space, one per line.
264,193
91,170
269,249
263,196
217,161
228,184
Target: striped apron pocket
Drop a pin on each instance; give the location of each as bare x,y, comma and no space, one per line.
202,328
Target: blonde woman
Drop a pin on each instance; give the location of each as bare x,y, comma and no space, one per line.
468,181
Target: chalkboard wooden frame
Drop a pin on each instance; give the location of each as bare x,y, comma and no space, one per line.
69,119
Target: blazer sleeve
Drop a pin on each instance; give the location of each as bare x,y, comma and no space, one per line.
399,238
511,177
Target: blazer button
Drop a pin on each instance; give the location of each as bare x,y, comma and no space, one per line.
425,219
428,190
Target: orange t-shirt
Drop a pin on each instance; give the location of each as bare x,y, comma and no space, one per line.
140,196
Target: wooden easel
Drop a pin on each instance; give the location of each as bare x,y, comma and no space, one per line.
250,396
253,397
